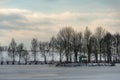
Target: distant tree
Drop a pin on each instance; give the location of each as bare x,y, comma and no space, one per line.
99,34
87,36
34,48
108,41
44,48
94,47
104,48
65,35
59,45
52,47
117,43
20,49
76,44
25,55
80,39
12,49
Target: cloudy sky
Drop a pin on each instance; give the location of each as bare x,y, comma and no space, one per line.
27,19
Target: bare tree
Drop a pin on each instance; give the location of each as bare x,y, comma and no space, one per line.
76,44
87,36
12,49
80,39
99,34
108,41
44,48
94,47
34,48
59,45
117,44
52,45
65,35
20,49
25,55
104,48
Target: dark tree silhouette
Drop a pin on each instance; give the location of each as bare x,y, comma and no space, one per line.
117,45
108,40
59,46
87,36
25,55
65,35
12,49
20,49
34,48
76,44
52,47
99,34
44,48
94,47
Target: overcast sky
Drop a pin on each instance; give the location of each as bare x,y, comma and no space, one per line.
27,19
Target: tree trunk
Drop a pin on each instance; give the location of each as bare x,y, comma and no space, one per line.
66,57
75,56
19,57
96,57
100,53
89,54
109,58
70,57
100,57
89,60
60,60
34,56
26,59
52,57
45,61
13,57
118,54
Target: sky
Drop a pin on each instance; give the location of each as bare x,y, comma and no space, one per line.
41,19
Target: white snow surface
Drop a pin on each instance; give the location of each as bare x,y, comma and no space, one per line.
46,72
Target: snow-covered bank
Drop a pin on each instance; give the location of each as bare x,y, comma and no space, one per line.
45,72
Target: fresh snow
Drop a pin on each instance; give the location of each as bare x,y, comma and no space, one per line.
46,72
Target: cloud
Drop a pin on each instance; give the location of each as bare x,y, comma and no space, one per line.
24,25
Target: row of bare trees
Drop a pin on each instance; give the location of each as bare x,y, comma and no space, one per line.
17,50
101,44
70,44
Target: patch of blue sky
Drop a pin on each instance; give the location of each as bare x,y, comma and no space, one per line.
57,6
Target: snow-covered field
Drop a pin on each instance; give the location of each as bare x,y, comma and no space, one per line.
45,72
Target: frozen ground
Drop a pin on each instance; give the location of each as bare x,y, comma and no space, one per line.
44,72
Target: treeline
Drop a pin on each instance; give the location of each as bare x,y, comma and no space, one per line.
102,45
